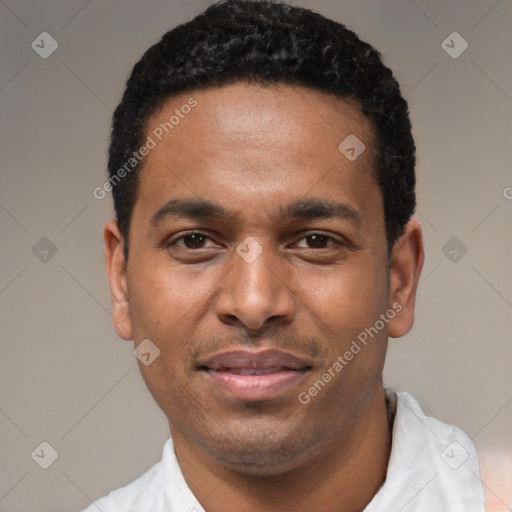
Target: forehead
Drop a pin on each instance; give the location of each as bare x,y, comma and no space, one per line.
248,113
246,142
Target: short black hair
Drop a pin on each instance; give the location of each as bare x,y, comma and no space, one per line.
261,41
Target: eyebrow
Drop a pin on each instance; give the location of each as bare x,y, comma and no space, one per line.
200,209
320,209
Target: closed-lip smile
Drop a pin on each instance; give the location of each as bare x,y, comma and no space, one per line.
250,375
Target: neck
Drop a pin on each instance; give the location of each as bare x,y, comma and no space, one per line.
344,477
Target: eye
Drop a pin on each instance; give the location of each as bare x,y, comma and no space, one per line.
192,240
319,241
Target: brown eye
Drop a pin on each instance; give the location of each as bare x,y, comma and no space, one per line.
318,241
192,240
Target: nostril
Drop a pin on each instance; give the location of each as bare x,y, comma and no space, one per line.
230,319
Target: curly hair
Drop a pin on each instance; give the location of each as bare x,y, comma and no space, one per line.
261,41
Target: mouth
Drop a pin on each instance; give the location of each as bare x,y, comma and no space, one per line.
250,376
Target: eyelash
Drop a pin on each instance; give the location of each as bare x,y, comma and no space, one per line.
335,241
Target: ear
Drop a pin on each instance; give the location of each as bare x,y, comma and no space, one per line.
116,270
407,258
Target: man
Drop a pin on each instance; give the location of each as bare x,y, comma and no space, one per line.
262,168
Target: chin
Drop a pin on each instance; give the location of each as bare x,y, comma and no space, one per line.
262,453
261,463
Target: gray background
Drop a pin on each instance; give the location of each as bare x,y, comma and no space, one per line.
65,377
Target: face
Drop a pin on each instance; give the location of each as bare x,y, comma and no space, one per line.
257,257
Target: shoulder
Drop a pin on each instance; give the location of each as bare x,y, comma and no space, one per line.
441,445
413,422
433,465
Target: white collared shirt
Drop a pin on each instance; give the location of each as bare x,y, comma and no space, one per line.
433,467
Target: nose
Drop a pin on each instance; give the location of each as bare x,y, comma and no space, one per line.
255,293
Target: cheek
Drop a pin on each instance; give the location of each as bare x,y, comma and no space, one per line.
166,307
348,298
161,295
162,310
151,305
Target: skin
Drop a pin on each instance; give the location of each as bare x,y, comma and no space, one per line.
252,150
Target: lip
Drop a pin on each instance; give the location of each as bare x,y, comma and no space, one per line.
262,375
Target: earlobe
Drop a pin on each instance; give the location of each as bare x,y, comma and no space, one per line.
116,269
405,268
